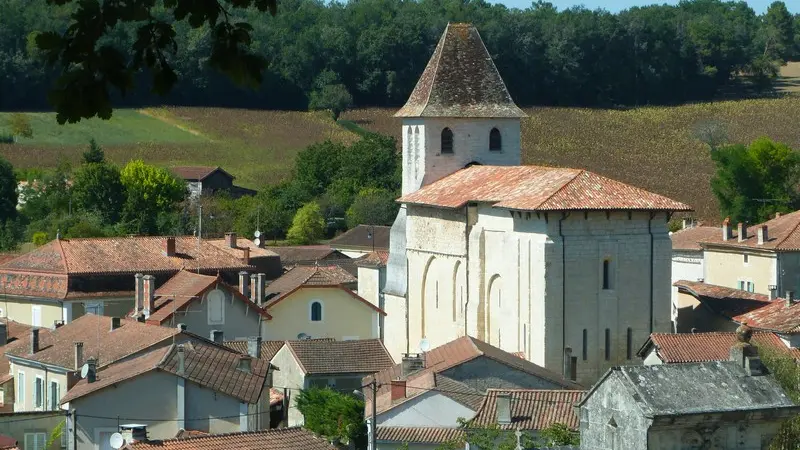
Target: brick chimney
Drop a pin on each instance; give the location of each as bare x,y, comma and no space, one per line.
726,229
34,340
246,255
78,354
139,295
763,235
244,283
148,295
741,230
230,239
398,389
169,246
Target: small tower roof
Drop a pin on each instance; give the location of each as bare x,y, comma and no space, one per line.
460,80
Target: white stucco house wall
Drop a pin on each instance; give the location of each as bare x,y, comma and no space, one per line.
687,260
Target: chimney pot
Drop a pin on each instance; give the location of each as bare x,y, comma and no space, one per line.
91,374
741,230
181,360
726,229
216,336
246,255
398,389
116,322
230,239
149,295
169,246
78,355
254,347
245,363
244,283
503,408
34,340
139,289
763,235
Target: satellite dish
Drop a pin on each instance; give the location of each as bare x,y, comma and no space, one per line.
84,370
257,242
303,336
257,234
117,441
424,345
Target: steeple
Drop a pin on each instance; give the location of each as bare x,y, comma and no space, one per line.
460,80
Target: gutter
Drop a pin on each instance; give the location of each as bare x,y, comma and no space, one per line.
652,299
563,291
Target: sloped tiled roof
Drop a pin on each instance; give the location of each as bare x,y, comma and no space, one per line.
197,173
690,238
325,356
328,275
419,435
701,347
14,331
532,409
306,253
211,366
778,316
537,188
373,259
268,348
728,302
241,244
274,439
460,80
783,233
99,341
358,238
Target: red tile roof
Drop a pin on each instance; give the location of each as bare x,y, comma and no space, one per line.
241,244
778,316
460,80
690,238
363,237
307,253
14,331
326,356
726,301
275,439
298,276
419,435
99,341
783,233
373,259
703,347
268,348
536,188
187,287
197,173
532,409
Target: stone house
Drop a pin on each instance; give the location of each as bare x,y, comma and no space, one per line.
708,307
206,180
568,267
730,404
294,438
340,365
687,262
361,240
190,386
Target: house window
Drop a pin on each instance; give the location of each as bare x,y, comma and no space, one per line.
38,393
55,395
35,441
316,311
746,258
585,345
608,344
607,275
21,389
216,307
447,141
495,140
630,344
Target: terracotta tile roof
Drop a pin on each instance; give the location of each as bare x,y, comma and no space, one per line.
33,284
197,173
690,238
123,255
373,259
268,348
189,433
306,253
211,366
5,257
536,188
778,316
99,341
419,435
187,287
274,439
426,381
15,330
532,409
7,442
702,347
452,354
241,244
728,302
460,80
358,238
328,275
325,356
783,233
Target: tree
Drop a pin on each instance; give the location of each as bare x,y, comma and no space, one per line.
20,125
332,97
372,207
95,153
150,192
778,31
558,434
334,415
754,182
786,370
8,191
97,187
308,225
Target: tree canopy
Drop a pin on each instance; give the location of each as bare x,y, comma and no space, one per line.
308,225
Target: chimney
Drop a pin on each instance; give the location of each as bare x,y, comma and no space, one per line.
412,362
245,363
741,230
169,246
745,354
244,283
261,283
34,340
181,360
139,289
133,433
182,326
254,288
398,389
789,298
773,292
246,255
148,295
216,336
503,408
3,333
91,374
763,235
254,347
116,322
726,229
230,239
78,355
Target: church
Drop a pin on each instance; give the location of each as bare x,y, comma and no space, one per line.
566,267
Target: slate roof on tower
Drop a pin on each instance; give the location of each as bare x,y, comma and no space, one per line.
460,80
537,188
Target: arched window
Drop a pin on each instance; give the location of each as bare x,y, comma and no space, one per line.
495,140
316,311
447,141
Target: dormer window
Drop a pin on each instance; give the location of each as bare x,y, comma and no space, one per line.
447,141
495,140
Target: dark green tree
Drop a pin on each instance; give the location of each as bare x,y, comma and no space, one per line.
152,198
778,32
331,97
97,188
372,207
8,191
94,154
334,415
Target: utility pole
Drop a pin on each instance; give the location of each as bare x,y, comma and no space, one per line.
374,437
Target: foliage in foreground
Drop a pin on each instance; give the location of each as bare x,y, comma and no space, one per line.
334,415
492,437
786,371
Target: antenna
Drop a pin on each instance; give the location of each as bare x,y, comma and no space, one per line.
117,441
424,345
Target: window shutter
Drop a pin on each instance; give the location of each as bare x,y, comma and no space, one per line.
21,388
28,438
